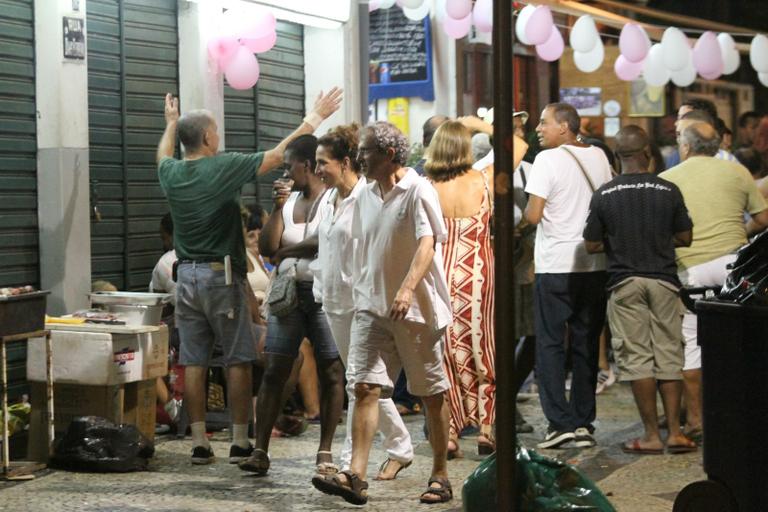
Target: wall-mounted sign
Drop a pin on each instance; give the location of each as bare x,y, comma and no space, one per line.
74,38
400,53
586,100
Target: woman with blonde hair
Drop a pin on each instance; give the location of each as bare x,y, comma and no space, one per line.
466,199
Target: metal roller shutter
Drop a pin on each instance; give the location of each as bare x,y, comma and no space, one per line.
19,260
132,63
259,118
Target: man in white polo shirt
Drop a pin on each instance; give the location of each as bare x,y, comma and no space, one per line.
569,283
402,307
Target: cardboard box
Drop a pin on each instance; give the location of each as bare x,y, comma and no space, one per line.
100,358
133,403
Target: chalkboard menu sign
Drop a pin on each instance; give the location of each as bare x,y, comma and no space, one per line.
400,52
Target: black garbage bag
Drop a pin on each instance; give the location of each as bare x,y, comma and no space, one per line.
94,444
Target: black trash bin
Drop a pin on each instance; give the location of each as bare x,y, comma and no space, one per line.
734,357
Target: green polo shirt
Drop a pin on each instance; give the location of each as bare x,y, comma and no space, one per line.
204,197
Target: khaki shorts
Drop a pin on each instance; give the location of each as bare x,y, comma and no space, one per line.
380,347
645,316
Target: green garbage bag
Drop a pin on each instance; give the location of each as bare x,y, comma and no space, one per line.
544,485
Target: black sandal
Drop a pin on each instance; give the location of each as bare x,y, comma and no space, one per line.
354,491
257,463
444,492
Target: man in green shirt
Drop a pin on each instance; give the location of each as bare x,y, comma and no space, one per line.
717,193
203,192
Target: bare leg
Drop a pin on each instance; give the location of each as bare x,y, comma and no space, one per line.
671,390
163,395
602,359
271,397
331,373
364,426
437,419
308,381
194,392
240,385
692,394
644,391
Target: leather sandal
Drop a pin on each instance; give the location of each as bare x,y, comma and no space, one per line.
444,493
257,463
354,490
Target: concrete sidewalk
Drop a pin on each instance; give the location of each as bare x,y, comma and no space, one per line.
633,483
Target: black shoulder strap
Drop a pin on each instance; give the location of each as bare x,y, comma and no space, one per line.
583,171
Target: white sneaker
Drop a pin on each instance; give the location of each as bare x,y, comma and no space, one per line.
556,438
583,438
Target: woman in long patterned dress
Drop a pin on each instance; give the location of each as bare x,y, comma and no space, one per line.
465,198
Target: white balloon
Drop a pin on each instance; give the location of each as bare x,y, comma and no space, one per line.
758,53
592,60
676,49
725,41
763,77
522,20
654,70
731,57
417,14
584,36
386,4
411,4
685,76
440,12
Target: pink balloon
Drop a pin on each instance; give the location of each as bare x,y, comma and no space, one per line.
538,30
634,43
456,29
626,69
373,5
258,23
260,44
458,9
243,71
707,57
222,50
552,48
482,15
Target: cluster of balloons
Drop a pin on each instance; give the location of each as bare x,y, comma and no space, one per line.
535,26
243,33
673,58
456,16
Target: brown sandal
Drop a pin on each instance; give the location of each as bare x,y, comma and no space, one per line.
444,493
353,491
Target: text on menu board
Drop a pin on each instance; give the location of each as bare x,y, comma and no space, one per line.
400,54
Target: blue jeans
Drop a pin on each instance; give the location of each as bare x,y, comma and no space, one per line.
578,301
285,334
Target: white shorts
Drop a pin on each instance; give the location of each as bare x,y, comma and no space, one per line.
381,347
712,274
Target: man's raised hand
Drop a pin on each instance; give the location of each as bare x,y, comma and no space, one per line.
171,108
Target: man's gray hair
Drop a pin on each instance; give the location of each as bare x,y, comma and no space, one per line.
481,145
701,138
192,126
385,136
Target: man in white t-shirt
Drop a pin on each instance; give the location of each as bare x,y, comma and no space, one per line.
569,286
402,307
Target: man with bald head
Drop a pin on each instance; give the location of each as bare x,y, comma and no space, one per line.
203,192
637,219
717,192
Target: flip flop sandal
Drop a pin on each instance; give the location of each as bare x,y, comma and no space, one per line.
355,491
444,492
257,463
326,468
635,449
386,463
695,434
682,448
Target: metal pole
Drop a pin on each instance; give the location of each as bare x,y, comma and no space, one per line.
49,391
6,453
506,436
